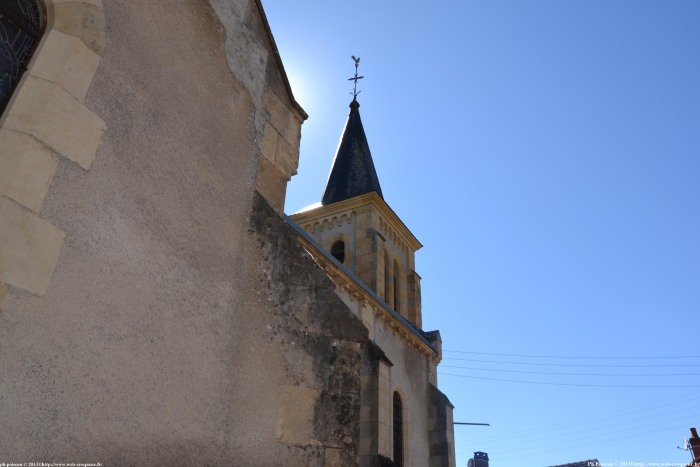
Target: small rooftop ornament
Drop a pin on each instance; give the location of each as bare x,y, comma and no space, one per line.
355,78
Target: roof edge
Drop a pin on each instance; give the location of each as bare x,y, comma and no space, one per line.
278,59
372,198
403,322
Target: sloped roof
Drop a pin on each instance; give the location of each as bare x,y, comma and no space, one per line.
353,171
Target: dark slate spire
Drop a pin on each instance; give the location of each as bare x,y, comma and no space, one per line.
353,172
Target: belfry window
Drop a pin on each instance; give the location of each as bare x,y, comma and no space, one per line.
22,23
397,289
388,296
398,430
338,251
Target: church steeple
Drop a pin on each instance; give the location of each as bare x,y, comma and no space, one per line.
358,228
353,171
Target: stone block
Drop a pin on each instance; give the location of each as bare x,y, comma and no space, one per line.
384,415
366,430
268,146
50,114
363,251
82,19
271,184
26,169
366,381
333,456
384,373
29,248
368,319
286,158
295,416
283,119
365,414
365,446
89,2
66,61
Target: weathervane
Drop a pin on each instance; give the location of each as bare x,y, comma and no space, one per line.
355,92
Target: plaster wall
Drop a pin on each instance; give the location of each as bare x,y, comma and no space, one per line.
159,336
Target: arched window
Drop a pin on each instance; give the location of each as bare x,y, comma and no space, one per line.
397,288
388,296
22,23
398,430
338,251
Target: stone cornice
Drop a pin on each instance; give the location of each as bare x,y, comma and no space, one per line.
360,293
393,225
329,221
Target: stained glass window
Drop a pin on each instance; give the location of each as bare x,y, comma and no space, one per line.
22,23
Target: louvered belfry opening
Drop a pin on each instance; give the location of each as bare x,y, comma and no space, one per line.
338,251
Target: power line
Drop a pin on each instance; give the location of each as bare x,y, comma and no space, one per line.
676,423
624,415
614,414
519,440
568,374
572,384
561,356
576,364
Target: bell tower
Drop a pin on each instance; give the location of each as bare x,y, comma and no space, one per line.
359,229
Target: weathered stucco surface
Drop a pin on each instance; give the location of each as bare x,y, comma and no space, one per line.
155,308
317,343
170,332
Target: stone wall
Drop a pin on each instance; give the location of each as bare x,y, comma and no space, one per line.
156,309
45,122
321,342
404,361
158,82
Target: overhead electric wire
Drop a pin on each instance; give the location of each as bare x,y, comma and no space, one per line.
614,414
573,384
562,356
588,444
575,364
567,374
549,437
515,441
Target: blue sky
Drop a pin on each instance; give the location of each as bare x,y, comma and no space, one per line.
547,154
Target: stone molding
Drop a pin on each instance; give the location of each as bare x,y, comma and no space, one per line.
45,120
357,293
401,232
392,234
329,222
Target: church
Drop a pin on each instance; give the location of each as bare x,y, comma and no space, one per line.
156,304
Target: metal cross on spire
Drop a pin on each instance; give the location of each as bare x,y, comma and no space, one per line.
355,78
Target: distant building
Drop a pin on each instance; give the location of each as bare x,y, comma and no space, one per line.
588,463
694,444
480,459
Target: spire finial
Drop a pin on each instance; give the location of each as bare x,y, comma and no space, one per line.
355,78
